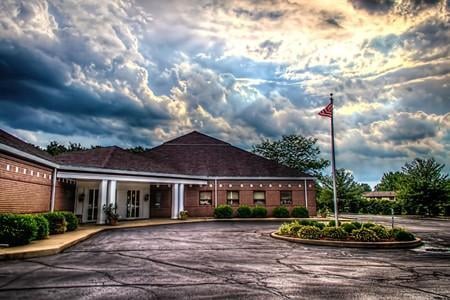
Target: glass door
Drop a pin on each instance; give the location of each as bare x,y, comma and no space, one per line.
133,203
92,210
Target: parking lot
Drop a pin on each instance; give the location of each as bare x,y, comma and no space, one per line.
232,260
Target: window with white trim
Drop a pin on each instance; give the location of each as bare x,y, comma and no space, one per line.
285,197
205,198
233,197
259,198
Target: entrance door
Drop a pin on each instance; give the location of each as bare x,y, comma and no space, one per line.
133,203
92,211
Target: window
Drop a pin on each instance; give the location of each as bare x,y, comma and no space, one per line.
133,203
92,210
232,197
156,198
285,197
259,198
206,198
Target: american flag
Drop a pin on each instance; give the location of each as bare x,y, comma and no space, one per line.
327,111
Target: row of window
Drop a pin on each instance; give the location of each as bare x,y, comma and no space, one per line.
252,185
28,172
259,197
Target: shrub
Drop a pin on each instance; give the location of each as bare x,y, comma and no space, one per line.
294,228
319,225
223,212
305,222
365,235
402,235
368,225
309,232
349,227
71,219
300,212
381,232
244,211
280,212
17,230
334,233
259,212
56,221
332,223
284,229
356,224
42,227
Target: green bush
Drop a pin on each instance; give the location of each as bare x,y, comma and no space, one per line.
300,212
319,225
42,227
332,223
365,235
71,219
284,229
56,221
17,230
402,235
244,211
309,232
280,212
223,212
368,225
349,227
294,228
334,233
259,212
381,232
356,224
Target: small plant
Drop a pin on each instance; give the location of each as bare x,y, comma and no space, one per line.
309,232
334,233
259,212
294,228
110,213
402,235
300,212
281,212
284,229
56,222
324,212
319,225
42,227
17,230
244,211
184,215
71,219
365,235
349,227
368,225
304,222
356,224
332,223
223,212
381,232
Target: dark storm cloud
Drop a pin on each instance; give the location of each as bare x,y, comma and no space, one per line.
269,47
373,6
403,7
257,15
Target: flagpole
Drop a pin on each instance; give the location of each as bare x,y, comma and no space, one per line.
333,164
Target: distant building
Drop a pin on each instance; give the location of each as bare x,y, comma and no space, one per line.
381,195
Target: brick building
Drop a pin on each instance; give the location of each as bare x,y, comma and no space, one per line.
193,172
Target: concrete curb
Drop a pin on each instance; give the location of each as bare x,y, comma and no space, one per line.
351,244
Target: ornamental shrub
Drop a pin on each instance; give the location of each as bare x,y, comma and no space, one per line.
223,212
368,225
332,223
300,212
304,222
244,211
319,225
259,212
334,233
284,229
56,221
356,224
349,227
42,227
71,219
294,228
280,212
365,235
381,232
309,232
402,235
17,229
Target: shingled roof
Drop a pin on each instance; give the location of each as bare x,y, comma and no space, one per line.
14,142
198,154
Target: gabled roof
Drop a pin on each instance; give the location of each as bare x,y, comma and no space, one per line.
16,143
198,154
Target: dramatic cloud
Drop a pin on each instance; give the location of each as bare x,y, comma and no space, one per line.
131,72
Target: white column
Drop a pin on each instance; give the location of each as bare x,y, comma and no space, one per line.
180,199
112,187
306,195
102,197
53,192
175,196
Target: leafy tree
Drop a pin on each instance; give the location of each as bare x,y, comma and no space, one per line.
348,192
137,149
425,189
365,187
391,181
55,148
294,151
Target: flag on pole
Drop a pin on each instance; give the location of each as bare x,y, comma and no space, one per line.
327,111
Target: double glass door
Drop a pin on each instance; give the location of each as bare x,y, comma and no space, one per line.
133,203
92,210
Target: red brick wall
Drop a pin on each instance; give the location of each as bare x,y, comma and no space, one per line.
272,189
65,195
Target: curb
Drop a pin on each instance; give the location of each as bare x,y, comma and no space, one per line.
372,245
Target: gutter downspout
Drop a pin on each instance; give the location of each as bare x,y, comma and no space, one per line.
215,192
52,197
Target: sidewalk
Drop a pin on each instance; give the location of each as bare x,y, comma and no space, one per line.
58,242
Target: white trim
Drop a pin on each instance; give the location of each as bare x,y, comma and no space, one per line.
27,155
53,192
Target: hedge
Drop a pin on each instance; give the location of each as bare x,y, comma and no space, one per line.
42,227
57,222
223,212
71,219
17,230
300,212
259,212
244,211
280,212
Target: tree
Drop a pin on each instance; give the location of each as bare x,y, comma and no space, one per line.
55,148
294,151
365,187
137,149
391,181
425,189
349,192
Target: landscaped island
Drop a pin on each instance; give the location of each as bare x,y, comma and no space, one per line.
349,234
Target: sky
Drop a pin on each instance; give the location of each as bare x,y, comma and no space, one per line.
142,72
